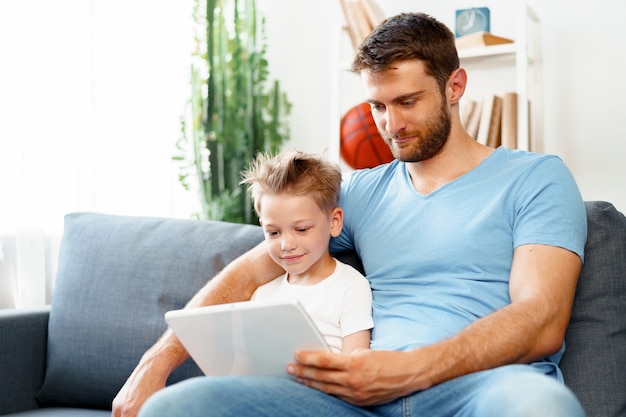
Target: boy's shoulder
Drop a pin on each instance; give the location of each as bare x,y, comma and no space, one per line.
347,272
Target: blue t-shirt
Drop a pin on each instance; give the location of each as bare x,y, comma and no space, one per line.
438,262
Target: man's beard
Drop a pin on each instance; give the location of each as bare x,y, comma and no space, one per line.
427,142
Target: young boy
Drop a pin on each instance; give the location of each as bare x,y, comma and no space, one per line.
296,196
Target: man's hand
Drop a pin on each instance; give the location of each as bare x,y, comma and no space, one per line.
365,377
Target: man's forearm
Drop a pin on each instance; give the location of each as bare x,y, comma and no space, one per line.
542,287
238,280
508,336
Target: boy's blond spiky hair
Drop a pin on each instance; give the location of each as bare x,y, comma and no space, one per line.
297,173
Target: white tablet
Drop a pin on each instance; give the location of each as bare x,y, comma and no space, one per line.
245,338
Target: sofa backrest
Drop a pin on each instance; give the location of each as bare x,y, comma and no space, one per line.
117,276
594,364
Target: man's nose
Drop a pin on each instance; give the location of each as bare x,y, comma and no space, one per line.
394,122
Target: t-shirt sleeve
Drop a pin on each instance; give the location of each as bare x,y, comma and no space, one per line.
356,313
550,209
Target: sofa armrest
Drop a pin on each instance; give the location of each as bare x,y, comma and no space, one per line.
23,344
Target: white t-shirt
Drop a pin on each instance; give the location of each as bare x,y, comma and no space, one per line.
339,305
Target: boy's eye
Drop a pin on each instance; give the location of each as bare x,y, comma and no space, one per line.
271,233
303,229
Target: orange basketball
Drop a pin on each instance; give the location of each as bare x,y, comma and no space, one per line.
361,146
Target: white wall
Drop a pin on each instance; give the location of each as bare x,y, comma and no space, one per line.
583,71
91,92
90,97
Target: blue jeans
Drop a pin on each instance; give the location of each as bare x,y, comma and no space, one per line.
511,391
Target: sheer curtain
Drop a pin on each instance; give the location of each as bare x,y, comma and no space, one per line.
91,96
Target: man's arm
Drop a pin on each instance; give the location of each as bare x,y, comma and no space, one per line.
236,282
542,286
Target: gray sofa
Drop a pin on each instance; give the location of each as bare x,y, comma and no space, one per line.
118,275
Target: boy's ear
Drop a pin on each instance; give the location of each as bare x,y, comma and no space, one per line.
336,221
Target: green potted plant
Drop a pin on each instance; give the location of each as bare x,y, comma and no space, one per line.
235,110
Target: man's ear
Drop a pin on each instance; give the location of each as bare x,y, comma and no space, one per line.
456,85
336,221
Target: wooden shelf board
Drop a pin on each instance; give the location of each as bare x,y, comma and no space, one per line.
484,51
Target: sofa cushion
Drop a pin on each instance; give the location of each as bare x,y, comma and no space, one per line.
594,364
117,276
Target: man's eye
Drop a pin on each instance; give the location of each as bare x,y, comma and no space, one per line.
408,103
377,107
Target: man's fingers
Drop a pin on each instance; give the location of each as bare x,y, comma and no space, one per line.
321,359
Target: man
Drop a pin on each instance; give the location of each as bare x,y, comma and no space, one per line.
472,254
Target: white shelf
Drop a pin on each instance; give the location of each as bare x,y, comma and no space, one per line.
524,56
468,54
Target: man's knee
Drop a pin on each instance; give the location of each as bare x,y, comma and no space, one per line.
528,394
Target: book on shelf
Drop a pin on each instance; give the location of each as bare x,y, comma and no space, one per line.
509,120
495,123
477,39
492,120
374,13
350,25
490,115
467,109
361,17
471,120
